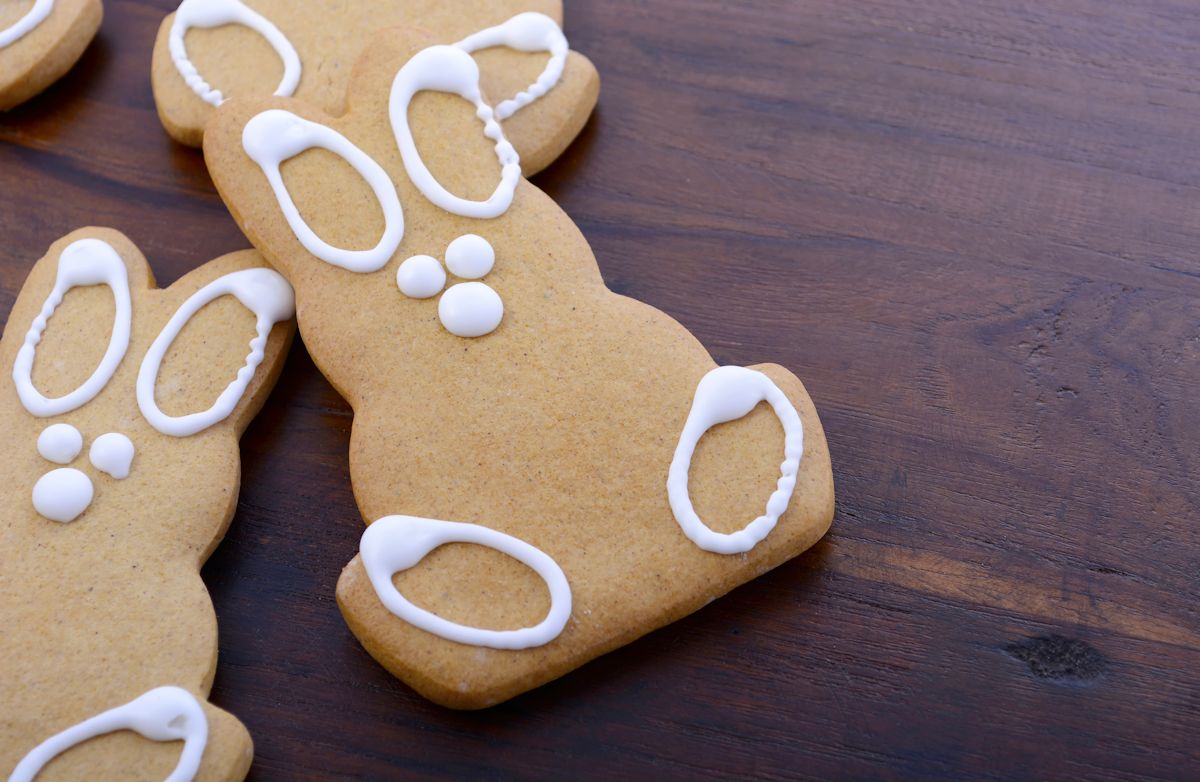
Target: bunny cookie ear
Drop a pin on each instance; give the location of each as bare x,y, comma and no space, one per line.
85,262
203,14
261,291
41,44
542,110
86,258
451,70
541,92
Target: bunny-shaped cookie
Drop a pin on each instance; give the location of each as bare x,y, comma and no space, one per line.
40,42
533,451
122,477
210,50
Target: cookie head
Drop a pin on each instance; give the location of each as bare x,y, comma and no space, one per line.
123,404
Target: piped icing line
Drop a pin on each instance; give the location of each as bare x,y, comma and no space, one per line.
397,543
262,291
528,32
25,25
451,70
162,714
276,135
727,394
216,13
84,263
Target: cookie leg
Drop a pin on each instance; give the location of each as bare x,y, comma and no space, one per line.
230,750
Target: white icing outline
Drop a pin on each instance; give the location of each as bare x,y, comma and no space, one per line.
84,263
397,543
27,23
451,70
727,394
262,291
276,135
527,32
155,716
217,13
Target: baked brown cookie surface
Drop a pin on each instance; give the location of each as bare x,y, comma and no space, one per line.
123,405
40,40
523,437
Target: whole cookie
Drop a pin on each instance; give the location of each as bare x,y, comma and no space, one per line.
211,50
122,406
40,42
549,470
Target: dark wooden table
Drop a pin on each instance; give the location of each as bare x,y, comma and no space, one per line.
972,228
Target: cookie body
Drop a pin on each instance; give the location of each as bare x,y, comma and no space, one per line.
550,470
249,58
40,43
108,629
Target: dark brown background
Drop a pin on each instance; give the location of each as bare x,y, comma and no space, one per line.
972,228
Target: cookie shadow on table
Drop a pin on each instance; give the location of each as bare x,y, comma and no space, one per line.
569,170
716,635
56,108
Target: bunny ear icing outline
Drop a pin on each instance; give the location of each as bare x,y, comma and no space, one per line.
451,70
162,714
26,24
262,291
727,394
83,263
217,13
276,135
397,543
528,32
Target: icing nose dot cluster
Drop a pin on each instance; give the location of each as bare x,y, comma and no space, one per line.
63,495
467,309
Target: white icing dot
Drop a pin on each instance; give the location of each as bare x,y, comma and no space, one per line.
470,257
61,495
112,453
471,309
421,277
60,443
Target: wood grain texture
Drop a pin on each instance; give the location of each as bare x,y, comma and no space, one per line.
971,228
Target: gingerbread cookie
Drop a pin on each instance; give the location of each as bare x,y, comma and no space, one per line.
121,478
210,50
39,42
549,470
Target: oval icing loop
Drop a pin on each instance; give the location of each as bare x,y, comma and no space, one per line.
528,32
83,263
23,26
727,394
217,13
397,543
451,70
162,714
276,135
262,291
